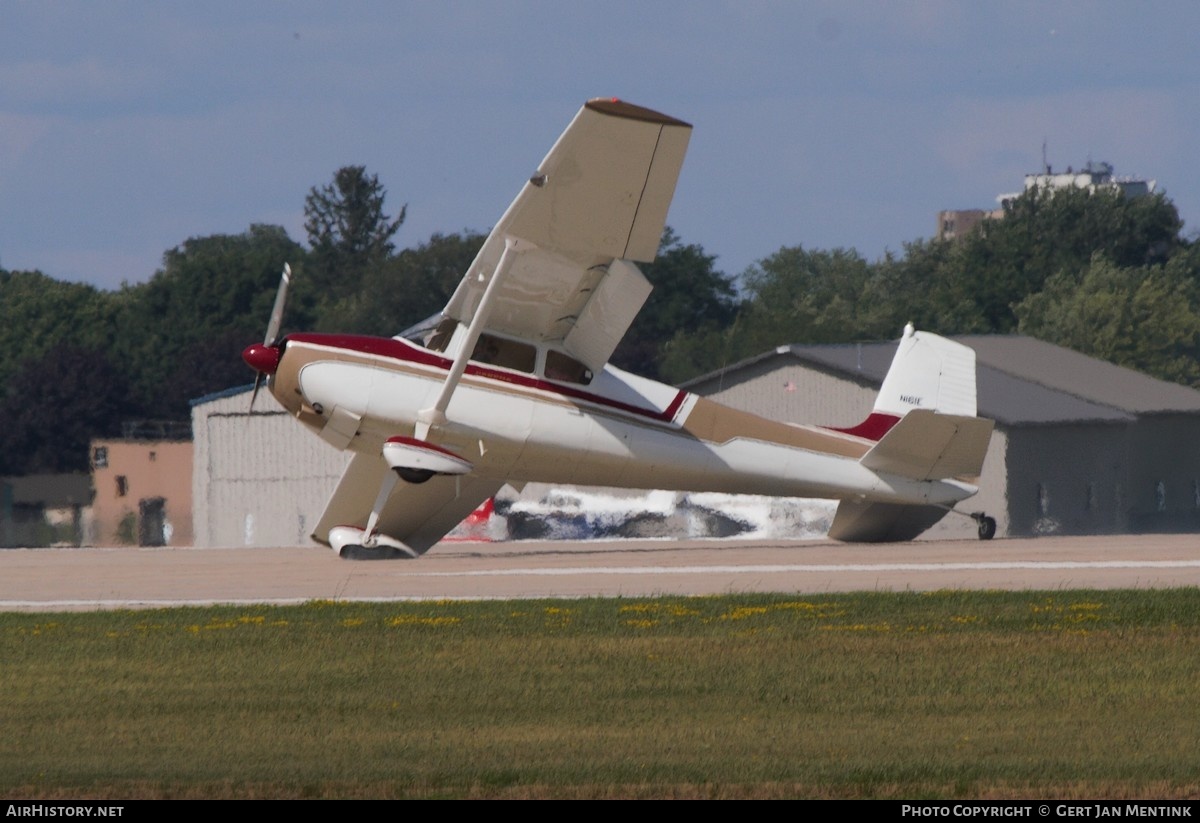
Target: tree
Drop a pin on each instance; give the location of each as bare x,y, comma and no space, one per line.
406,288
180,330
928,287
796,296
801,296
1047,232
37,312
55,404
690,295
1145,318
348,232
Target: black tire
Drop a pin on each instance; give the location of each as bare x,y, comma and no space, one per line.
357,552
987,527
413,475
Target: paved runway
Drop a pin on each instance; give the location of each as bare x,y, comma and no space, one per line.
70,579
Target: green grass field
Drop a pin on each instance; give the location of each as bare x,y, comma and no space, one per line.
949,694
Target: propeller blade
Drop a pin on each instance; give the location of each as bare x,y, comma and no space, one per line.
280,301
258,378
263,359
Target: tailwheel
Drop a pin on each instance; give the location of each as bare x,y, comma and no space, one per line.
987,525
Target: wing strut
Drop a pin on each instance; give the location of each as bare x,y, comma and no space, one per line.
435,415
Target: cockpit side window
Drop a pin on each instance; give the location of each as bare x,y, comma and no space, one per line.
440,339
509,354
566,369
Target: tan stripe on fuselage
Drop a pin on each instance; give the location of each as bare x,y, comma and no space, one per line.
712,422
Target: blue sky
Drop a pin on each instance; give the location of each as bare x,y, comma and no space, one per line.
126,128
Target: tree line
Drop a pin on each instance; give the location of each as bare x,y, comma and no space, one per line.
1107,275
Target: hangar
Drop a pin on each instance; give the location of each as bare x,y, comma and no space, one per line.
1081,446
258,479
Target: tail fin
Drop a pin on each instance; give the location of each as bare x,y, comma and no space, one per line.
929,372
925,416
930,389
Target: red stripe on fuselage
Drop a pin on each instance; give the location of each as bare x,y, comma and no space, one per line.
404,351
874,427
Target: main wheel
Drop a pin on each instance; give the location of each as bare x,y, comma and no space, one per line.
987,527
356,552
413,475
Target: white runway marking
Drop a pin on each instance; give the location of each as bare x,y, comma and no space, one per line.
780,569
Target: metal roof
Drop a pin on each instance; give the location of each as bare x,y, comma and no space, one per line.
218,395
1082,376
1020,380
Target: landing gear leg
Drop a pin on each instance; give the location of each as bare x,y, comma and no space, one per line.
985,524
385,491
353,543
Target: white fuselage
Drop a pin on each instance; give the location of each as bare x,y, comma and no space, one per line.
619,430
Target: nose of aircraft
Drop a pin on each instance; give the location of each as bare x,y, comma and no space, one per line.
262,358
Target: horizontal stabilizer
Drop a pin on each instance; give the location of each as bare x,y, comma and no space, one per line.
869,522
925,445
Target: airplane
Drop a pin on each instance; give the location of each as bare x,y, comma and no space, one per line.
512,384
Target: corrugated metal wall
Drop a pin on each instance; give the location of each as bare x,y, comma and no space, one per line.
258,479
782,389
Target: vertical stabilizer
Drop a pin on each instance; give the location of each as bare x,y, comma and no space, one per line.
926,429
929,372
930,392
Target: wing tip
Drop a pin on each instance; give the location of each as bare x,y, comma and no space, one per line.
619,108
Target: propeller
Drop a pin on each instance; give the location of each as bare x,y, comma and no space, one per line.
277,310
264,357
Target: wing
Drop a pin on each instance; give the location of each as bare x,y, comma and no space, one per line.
598,200
418,515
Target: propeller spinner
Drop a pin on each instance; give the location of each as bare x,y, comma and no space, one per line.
264,357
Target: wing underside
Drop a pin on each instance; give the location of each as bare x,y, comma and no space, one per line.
418,515
598,199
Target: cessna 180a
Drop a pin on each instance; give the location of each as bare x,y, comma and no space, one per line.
513,384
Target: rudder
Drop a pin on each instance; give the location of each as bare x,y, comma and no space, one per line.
929,372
